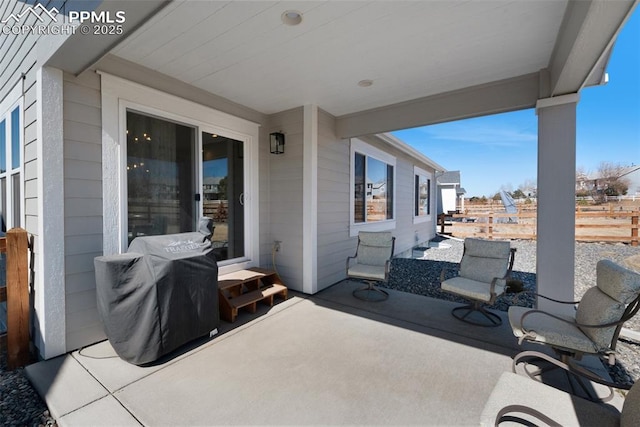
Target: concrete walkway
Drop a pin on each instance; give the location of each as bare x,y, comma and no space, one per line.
325,359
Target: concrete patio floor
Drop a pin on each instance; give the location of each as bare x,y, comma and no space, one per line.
322,359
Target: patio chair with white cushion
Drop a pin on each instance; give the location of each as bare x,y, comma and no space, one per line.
482,277
371,263
594,329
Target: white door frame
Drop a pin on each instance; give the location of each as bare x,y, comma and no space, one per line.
118,95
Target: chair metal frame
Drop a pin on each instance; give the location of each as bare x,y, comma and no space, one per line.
567,356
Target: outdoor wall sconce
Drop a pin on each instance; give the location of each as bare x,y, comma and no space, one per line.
277,142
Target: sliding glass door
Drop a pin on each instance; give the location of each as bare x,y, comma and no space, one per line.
160,176
223,193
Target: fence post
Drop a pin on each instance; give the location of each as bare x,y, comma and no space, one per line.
490,227
634,229
17,298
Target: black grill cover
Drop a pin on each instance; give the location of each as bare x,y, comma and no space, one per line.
158,296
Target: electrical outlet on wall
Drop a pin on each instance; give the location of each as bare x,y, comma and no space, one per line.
277,245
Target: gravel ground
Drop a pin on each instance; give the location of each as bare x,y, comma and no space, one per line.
423,278
20,405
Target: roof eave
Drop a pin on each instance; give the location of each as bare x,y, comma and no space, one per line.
391,140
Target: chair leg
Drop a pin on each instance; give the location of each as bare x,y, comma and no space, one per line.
371,293
462,312
572,371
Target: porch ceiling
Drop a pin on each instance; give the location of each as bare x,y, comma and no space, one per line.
428,61
408,49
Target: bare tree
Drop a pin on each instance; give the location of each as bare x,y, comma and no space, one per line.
584,185
581,174
529,188
610,181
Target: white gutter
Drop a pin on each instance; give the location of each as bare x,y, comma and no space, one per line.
407,149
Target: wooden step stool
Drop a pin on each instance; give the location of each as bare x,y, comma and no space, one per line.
245,288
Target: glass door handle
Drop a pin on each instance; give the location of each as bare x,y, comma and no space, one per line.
241,199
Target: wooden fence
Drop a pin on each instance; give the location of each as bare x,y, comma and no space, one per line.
16,294
608,226
216,209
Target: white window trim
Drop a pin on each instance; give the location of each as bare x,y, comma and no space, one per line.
362,147
118,95
419,219
9,103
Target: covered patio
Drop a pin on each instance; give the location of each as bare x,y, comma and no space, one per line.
323,73
322,359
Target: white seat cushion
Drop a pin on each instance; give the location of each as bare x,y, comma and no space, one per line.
631,409
597,308
470,288
484,260
616,281
550,331
364,271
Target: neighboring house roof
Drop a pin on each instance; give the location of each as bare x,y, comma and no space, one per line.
449,177
461,191
212,180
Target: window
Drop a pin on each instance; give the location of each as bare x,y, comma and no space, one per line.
160,176
421,195
373,188
10,166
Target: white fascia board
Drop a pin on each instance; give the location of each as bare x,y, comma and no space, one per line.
585,41
557,100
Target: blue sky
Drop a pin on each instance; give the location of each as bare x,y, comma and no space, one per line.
500,151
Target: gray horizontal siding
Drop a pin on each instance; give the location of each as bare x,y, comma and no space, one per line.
17,52
30,153
19,55
83,206
285,198
407,233
334,243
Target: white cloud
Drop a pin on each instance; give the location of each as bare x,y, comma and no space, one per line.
496,136
485,131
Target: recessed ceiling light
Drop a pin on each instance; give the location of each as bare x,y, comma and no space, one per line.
291,17
365,83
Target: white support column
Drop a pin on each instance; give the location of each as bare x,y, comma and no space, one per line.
310,200
50,274
556,200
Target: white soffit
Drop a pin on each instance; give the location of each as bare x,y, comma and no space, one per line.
408,49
